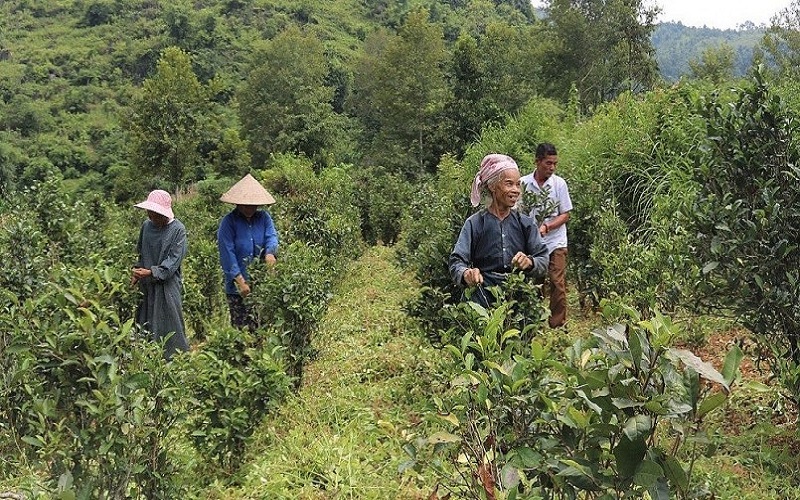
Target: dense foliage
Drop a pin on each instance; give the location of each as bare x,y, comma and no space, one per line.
746,213
180,92
526,420
92,405
367,121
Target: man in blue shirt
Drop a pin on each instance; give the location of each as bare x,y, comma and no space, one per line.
245,235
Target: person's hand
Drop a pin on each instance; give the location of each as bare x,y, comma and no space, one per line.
473,276
544,229
521,261
241,284
141,272
270,259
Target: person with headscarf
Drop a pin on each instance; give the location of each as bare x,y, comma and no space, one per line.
496,240
161,249
247,234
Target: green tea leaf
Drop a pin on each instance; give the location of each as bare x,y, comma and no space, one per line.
648,474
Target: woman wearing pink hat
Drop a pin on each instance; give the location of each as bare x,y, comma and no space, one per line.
161,249
498,239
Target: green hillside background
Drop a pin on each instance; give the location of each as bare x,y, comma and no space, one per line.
677,374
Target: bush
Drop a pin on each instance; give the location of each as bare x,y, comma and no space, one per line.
610,418
84,395
290,299
746,214
233,381
319,210
381,200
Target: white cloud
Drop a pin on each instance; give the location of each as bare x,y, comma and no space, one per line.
723,14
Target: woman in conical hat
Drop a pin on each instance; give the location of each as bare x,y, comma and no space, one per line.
245,235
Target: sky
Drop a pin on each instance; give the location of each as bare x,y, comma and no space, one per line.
722,14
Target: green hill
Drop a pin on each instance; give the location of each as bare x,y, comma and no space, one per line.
676,45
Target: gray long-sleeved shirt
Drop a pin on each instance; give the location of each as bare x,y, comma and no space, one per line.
489,244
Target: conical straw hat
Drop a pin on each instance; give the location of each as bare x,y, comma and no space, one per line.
248,191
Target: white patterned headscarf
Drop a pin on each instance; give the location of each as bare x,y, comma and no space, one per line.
491,166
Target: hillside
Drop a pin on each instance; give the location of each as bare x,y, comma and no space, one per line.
676,45
72,75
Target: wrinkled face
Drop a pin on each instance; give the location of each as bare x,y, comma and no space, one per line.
157,219
546,166
247,210
506,190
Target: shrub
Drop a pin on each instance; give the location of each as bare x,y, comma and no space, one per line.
290,300
233,381
319,210
84,395
610,418
746,214
381,200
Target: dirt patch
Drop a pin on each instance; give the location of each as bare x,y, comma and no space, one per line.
717,345
747,409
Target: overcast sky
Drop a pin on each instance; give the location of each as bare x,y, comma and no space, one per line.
721,14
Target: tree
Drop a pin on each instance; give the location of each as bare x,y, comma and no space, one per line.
285,105
747,214
401,92
166,125
602,47
715,64
492,77
781,42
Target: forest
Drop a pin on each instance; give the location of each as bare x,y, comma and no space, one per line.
677,376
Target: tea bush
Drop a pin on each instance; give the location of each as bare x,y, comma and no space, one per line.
745,215
92,401
318,210
612,417
629,172
290,298
381,197
232,382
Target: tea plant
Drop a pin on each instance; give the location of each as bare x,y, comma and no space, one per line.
232,382
611,418
745,215
290,298
87,399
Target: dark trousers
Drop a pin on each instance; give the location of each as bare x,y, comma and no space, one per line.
241,315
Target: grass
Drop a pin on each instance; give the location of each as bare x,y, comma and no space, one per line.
362,398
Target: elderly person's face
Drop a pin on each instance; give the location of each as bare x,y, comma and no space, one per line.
505,189
157,219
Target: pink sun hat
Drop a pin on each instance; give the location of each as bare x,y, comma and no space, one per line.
158,201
